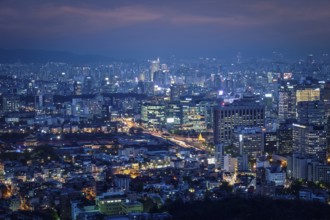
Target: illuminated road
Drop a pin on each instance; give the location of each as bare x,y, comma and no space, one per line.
180,141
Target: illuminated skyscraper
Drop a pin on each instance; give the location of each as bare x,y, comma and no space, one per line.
77,86
154,67
177,90
142,76
307,94
309,139
160,78
326,98
311,113
308,90
248,140
246,112
10,103
284,135
287,101
88,85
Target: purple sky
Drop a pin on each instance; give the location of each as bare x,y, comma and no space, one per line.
160,28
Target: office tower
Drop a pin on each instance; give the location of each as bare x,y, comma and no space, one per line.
10,103
192,118
307,92
77,88
310,113
246,112
38,102
219,149
248,140
269,142
243,162
287,101
88,85
319,172
173,115
146,87
142,76
215,81
268,102
48,100
160,78
230,164
106,113
284,136
177,90
309,139
297,166
154,67
153,115
207,111
2,171
229,84
326,98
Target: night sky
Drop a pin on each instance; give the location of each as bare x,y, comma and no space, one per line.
186,28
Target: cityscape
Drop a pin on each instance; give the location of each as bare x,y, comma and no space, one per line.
104,115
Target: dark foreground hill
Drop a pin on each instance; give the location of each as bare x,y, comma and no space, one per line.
252,208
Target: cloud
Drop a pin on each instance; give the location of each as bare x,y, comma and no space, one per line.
256,14
62,17
51,19
184,23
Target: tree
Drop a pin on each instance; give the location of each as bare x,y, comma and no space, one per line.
226,187
295,187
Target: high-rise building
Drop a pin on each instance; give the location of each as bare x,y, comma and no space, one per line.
106,112
246,112
142,76
307,93
268,102
154,67
146,87
284,136
192,119
309,139
2,171
207,111
248,141
177,90
173,114
77,86
230,164
243,162
269,142
297,166
161,78
320,173
326,98
153,115
287,101
10,103
311,112
219,149
88,85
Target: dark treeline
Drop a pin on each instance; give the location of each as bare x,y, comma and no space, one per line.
252,208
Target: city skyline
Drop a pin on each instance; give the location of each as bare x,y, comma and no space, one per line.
144,29
164,109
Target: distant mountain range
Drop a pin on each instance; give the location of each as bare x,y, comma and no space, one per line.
43,56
